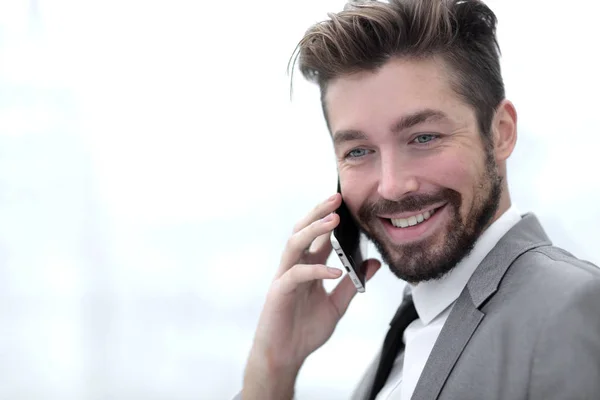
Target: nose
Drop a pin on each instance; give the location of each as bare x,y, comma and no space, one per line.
397,178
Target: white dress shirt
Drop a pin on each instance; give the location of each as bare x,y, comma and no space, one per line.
434,301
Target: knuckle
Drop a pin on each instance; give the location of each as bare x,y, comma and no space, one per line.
292,241
314,269
303,272
293,275
297,227
318,207
315,225
319,210
319,228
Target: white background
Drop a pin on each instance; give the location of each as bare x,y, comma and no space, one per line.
152,166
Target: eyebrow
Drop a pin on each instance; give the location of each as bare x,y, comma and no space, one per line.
348,135
403,123
417,118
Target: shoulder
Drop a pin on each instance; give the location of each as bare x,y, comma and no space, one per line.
561,262
542,282
549,272
559,279
567,343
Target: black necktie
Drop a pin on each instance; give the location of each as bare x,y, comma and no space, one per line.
393,343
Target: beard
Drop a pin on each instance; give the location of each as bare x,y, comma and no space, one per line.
427,260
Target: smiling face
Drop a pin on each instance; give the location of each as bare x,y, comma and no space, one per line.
413,166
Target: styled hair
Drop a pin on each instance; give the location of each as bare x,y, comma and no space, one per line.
367,34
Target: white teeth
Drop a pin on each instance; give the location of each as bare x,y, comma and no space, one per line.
411,221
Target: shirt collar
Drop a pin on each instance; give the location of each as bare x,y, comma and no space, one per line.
433,297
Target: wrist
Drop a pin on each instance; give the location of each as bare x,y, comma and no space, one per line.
266,380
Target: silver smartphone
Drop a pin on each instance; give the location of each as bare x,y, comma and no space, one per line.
348,245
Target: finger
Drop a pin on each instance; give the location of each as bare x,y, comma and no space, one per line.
321,247
321,210
302,273
300,241
345,291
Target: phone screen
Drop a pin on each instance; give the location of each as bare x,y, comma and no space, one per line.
348,235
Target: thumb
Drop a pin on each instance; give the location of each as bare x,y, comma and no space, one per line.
343,294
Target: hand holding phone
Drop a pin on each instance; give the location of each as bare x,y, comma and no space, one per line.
299,315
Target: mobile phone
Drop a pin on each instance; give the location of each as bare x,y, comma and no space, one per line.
346,242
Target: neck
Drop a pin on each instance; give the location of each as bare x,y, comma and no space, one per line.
504,204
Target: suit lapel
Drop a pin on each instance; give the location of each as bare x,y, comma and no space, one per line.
466,315
456,333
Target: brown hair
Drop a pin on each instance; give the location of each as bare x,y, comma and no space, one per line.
366,34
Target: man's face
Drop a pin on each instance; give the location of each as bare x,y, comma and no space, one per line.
413,166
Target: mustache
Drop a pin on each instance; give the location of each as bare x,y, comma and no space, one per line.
410,203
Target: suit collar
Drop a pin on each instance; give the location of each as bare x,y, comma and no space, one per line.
527,234
466,314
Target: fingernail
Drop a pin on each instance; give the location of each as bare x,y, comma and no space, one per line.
328,218
332,197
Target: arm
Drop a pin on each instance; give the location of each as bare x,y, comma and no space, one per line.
566,361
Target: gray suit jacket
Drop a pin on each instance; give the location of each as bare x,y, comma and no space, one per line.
526,326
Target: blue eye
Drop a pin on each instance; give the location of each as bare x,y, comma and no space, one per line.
423,139
356,153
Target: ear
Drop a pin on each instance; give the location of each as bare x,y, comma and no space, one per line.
504,129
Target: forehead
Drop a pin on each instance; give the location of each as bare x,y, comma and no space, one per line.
398,88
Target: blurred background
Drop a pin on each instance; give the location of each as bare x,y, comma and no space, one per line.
152,165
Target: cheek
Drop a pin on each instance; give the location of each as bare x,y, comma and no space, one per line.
455,172
355,185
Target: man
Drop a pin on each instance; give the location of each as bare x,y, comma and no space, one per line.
414,101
